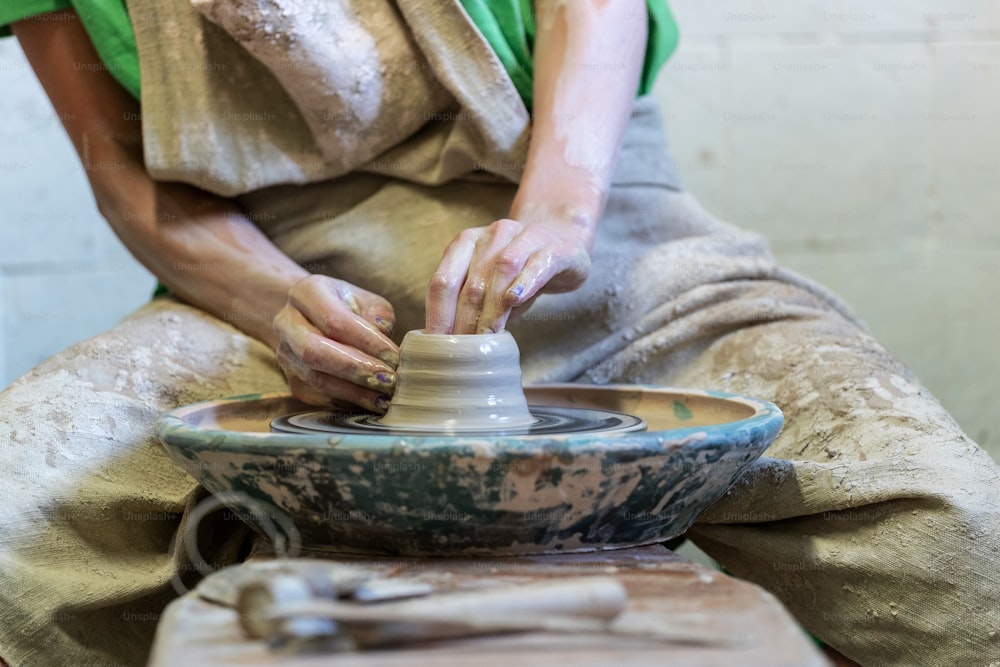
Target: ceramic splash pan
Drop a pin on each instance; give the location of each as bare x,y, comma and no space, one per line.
440,494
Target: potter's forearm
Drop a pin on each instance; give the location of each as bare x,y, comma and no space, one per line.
203,249
330,338
197,244
588,58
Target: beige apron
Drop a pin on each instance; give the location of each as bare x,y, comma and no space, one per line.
239,95
874,519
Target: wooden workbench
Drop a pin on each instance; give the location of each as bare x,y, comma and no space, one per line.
663,590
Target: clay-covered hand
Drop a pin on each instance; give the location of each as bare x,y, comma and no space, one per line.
489,272
333,344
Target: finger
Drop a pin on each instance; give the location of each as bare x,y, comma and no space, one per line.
385,322
470,305
536,275
332,306
305,393
376,310
507,266
447,281
318,388
477,287
539,273
309,350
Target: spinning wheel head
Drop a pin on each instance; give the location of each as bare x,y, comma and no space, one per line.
545,421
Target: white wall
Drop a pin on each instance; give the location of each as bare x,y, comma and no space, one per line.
864,139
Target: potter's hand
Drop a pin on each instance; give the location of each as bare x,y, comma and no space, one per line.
333,343
489,272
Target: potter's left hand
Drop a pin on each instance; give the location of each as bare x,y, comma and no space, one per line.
488,272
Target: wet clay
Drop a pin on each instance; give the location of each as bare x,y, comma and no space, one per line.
447,382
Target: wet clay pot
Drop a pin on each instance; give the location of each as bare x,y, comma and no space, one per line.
458,383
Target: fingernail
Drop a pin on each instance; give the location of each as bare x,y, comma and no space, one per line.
381,403
390,357
381,381
383,324
517,290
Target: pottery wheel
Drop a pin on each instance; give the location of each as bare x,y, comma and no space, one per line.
371,490
548,421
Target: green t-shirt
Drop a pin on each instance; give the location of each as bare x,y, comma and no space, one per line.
508,25
107,23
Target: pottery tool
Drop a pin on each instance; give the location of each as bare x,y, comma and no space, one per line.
284,612
257,598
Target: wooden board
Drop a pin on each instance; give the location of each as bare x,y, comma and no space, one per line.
663,589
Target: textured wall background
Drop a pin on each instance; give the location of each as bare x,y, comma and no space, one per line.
863,138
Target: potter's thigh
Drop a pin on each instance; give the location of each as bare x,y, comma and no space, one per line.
91,501
873,517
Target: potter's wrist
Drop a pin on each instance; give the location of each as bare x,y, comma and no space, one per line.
560,195
573,221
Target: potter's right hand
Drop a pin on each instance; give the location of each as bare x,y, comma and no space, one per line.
333,343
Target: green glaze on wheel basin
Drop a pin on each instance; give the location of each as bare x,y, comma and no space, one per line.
441,494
